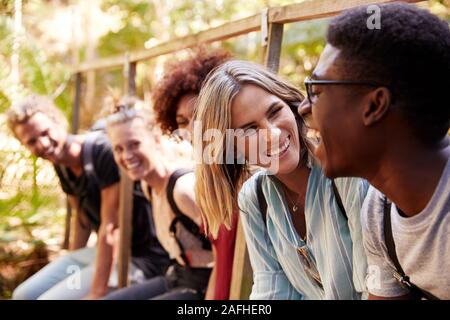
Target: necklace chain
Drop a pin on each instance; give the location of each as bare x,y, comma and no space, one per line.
295,207
294,204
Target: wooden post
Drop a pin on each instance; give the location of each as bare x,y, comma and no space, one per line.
76,103
273,51
242,276
68,224
74,129
125,218
131,87
126,193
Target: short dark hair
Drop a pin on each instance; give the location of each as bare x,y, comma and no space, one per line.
411,53
22,111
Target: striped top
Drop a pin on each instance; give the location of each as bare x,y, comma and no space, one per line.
331,265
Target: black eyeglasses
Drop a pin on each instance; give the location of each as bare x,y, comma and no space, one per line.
312,98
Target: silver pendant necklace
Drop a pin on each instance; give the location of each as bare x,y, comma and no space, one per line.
295,207
294,204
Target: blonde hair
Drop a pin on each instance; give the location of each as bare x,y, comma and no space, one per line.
21,112
128,109
217,185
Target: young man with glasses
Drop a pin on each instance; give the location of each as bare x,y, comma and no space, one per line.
378,108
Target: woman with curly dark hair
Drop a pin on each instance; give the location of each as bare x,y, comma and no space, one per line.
173,102
174,96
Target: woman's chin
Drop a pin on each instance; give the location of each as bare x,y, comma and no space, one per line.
135,175
135,178
284,166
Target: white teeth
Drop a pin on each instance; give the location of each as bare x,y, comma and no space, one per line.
49,152
281,149
133,165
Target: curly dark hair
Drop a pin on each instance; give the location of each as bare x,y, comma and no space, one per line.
181,78
410,53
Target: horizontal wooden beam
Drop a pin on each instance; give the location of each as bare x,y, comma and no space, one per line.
303,11
311,10
223,32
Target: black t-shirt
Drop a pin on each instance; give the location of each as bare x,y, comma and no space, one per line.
87,189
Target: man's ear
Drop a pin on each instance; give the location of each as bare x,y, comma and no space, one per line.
377,106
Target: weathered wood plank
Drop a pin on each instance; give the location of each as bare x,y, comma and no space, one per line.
242,275
311,10
126,195
67,225
273,52
132,79
78,78
228,30
125,218
308,10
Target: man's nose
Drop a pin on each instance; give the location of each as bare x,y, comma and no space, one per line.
304,109
43,143
127,154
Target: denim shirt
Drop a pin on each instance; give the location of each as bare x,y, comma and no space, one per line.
331,264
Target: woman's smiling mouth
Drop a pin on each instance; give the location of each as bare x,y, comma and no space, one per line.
281,149
132,165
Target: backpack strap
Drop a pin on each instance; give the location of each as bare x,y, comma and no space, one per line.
261,199
187,222
88,168
171,186
65,172
337,196
399,274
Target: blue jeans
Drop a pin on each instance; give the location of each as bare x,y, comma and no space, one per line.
67,278
177,284
156,288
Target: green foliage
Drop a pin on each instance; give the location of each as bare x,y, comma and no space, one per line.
136,22
31,210
40,73
24,206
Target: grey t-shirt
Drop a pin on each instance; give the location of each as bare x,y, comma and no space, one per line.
422,244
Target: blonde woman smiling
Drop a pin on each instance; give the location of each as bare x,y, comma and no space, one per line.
139,150
302,230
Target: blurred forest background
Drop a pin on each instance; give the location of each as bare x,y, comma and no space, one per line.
42,40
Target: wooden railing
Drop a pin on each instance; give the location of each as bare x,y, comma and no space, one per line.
270,22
